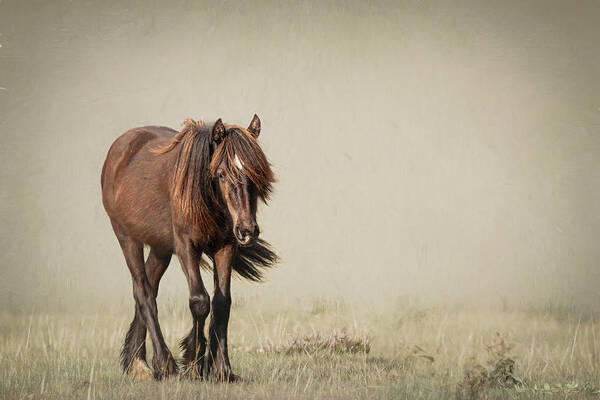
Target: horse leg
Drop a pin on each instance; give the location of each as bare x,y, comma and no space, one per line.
163,362
218,363
194,344
133,355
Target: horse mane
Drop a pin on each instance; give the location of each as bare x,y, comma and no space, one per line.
187,126
193,192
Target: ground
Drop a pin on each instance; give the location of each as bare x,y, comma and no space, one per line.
324,348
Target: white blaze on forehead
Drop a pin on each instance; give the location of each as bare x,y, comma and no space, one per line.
238,163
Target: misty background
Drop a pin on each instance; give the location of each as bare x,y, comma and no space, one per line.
436,151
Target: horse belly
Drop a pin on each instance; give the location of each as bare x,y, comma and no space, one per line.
146,217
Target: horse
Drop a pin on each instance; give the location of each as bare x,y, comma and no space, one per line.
190,193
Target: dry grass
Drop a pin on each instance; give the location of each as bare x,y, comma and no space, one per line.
323,349
317,344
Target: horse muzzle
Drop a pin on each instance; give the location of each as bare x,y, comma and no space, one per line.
246,235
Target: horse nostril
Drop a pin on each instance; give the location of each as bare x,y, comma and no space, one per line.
256,231
239,233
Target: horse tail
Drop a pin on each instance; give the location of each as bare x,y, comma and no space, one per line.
251,261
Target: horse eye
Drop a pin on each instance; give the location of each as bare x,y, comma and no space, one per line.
220,175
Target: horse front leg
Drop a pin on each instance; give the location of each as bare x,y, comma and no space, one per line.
194,344
218,363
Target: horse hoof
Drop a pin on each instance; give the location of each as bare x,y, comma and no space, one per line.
169,370
191,373
139,371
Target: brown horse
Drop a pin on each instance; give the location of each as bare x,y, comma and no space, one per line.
191,193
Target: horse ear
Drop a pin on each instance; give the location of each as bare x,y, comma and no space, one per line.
254,127
218,131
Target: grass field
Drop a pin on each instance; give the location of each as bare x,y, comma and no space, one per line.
321,349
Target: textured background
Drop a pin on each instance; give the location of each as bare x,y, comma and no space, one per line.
445,152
